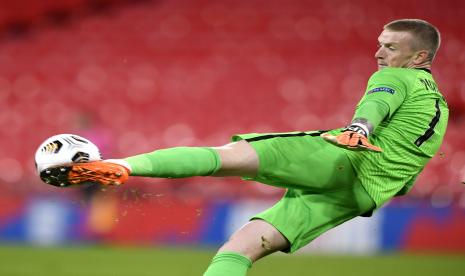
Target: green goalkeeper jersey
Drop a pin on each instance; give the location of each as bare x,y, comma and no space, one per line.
409,116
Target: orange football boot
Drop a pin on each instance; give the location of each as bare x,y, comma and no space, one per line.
101,172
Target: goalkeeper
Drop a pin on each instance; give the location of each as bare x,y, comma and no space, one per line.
330,176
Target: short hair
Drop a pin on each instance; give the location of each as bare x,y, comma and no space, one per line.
426,35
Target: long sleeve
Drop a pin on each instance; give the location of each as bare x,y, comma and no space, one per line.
384,95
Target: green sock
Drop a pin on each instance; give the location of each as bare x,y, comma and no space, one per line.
228,264
176,162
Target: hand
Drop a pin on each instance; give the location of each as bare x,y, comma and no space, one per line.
351,140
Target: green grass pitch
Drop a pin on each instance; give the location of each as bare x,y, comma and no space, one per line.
134,261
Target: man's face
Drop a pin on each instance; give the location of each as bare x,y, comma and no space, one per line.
395,50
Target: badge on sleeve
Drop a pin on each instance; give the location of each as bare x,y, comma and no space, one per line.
382,89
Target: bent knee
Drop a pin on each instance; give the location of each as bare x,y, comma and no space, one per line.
237,159
256,240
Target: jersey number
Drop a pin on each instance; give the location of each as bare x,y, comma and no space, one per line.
430,131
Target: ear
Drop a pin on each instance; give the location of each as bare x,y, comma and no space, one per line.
420,57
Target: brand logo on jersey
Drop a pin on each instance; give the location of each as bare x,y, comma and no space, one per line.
382,89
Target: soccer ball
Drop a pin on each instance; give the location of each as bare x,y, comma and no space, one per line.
64,149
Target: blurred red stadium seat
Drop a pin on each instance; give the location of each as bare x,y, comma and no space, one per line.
165,73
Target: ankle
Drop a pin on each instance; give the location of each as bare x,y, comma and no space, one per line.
120,162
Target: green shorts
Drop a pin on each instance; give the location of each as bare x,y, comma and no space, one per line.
323,188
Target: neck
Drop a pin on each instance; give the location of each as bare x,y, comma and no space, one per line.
423,65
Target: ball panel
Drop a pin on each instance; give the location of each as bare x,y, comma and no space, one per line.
65,149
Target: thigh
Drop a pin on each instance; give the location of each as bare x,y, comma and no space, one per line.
255,240
302,216
237,159
301,160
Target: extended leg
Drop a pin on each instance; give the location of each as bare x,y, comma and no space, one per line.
235,159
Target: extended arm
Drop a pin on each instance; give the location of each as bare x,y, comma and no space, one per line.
385,93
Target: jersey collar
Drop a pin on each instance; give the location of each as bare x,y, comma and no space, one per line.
424,69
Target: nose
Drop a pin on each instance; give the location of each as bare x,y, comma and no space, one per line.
379,53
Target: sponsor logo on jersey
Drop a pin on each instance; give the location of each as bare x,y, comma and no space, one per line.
382,89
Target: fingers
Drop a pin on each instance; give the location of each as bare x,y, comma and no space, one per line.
330,138
365,144
351,140
338,140
370,147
